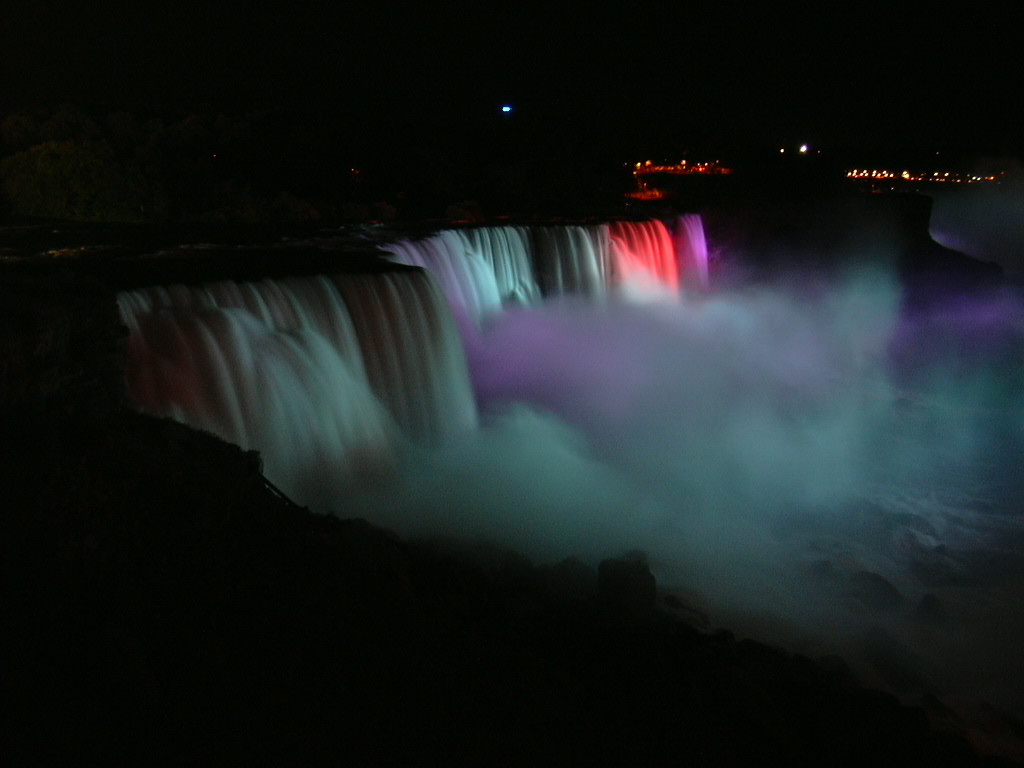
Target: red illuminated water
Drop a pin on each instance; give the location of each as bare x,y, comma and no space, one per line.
643,254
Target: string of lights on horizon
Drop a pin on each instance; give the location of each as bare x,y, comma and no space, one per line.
685,168
935,177
644,191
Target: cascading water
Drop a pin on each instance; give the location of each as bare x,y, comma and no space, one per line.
507,251
322,375
573,260
383,336
691,251
467,279
482,270
644,257
413,357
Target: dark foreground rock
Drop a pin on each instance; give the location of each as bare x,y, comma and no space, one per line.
164,606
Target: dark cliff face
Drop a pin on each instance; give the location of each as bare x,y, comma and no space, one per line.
61,348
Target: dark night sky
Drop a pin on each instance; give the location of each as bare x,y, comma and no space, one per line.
831,74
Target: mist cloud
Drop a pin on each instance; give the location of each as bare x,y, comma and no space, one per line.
743,439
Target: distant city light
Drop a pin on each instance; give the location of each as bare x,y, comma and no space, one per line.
803,149
935,177
711,168
506,108
643,170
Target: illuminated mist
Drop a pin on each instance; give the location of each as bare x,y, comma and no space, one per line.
806,461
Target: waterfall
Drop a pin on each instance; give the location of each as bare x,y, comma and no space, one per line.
482,270
691,251
467,279
326,375
412,352
644,258
573,260
507,251
323,375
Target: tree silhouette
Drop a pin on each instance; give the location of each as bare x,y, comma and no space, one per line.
72,179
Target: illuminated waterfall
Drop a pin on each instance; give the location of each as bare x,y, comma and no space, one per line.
691,251
322,375
644,257
573,260
507,251
465,277
326,375
481,270
412,353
